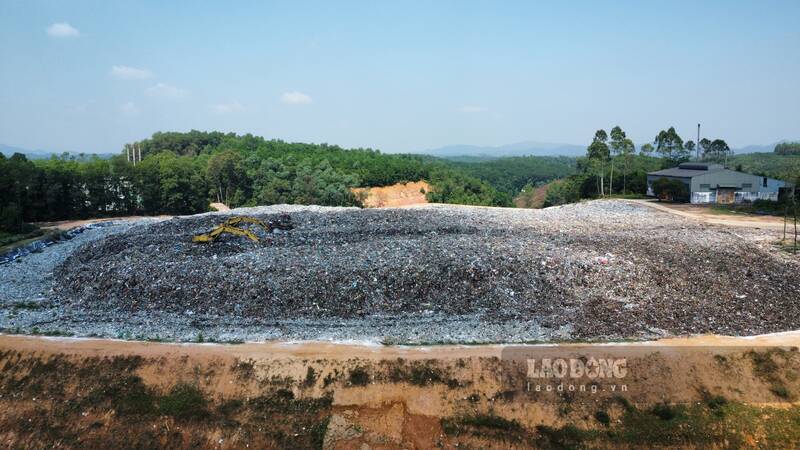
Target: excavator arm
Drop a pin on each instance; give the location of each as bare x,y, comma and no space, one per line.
224,228
230,226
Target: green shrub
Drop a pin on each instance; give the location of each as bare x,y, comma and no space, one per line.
602,417
671,189
359,376
184,401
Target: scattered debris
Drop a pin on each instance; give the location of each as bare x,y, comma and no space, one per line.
550,267
39,245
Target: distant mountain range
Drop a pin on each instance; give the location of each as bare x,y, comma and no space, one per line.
757,148
534,148
527,148
462,152
9,150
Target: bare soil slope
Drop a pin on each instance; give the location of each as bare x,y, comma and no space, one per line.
116,394
400,194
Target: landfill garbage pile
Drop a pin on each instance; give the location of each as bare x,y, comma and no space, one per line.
597,269
39,245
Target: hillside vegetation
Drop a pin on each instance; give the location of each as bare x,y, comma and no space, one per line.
180,173
774,165
612,167
511,175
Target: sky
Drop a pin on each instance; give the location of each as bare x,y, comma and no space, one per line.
399,76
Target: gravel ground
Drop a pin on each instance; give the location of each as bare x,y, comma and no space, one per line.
595,270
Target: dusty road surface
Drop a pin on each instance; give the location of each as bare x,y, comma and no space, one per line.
704,215
690,393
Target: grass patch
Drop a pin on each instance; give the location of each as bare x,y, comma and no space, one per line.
781,391
714,402
311,377
358,376
664,411
485,425
626,405
184,401
244,370
567,437
602,417
420,373
283,401
132,397
229,407
767,369
696,425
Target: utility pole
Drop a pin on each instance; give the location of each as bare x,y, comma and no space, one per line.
697,143
794,207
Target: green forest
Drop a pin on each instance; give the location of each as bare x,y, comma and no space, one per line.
510,175
181,173
612,166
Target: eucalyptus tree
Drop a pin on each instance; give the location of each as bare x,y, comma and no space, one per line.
669,146
598,155
618,138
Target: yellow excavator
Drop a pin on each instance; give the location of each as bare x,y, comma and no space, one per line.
231,226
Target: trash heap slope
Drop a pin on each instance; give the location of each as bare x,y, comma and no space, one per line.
596,269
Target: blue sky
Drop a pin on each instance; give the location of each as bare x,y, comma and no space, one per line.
395,75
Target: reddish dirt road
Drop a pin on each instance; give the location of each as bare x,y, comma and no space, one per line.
704,214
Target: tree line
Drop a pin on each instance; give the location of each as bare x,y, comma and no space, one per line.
180,173
788,148
614,154
511,175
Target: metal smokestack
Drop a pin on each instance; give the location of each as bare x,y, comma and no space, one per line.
697,143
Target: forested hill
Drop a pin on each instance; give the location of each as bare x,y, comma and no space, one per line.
180,173
511,175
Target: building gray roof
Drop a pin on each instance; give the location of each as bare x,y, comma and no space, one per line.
679,173
688,170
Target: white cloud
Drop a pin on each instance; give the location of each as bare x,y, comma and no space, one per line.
471,109
129,109
62,30
296,98
227,108
165,90
130,73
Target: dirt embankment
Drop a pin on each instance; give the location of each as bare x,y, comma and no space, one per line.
400,194
116,394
